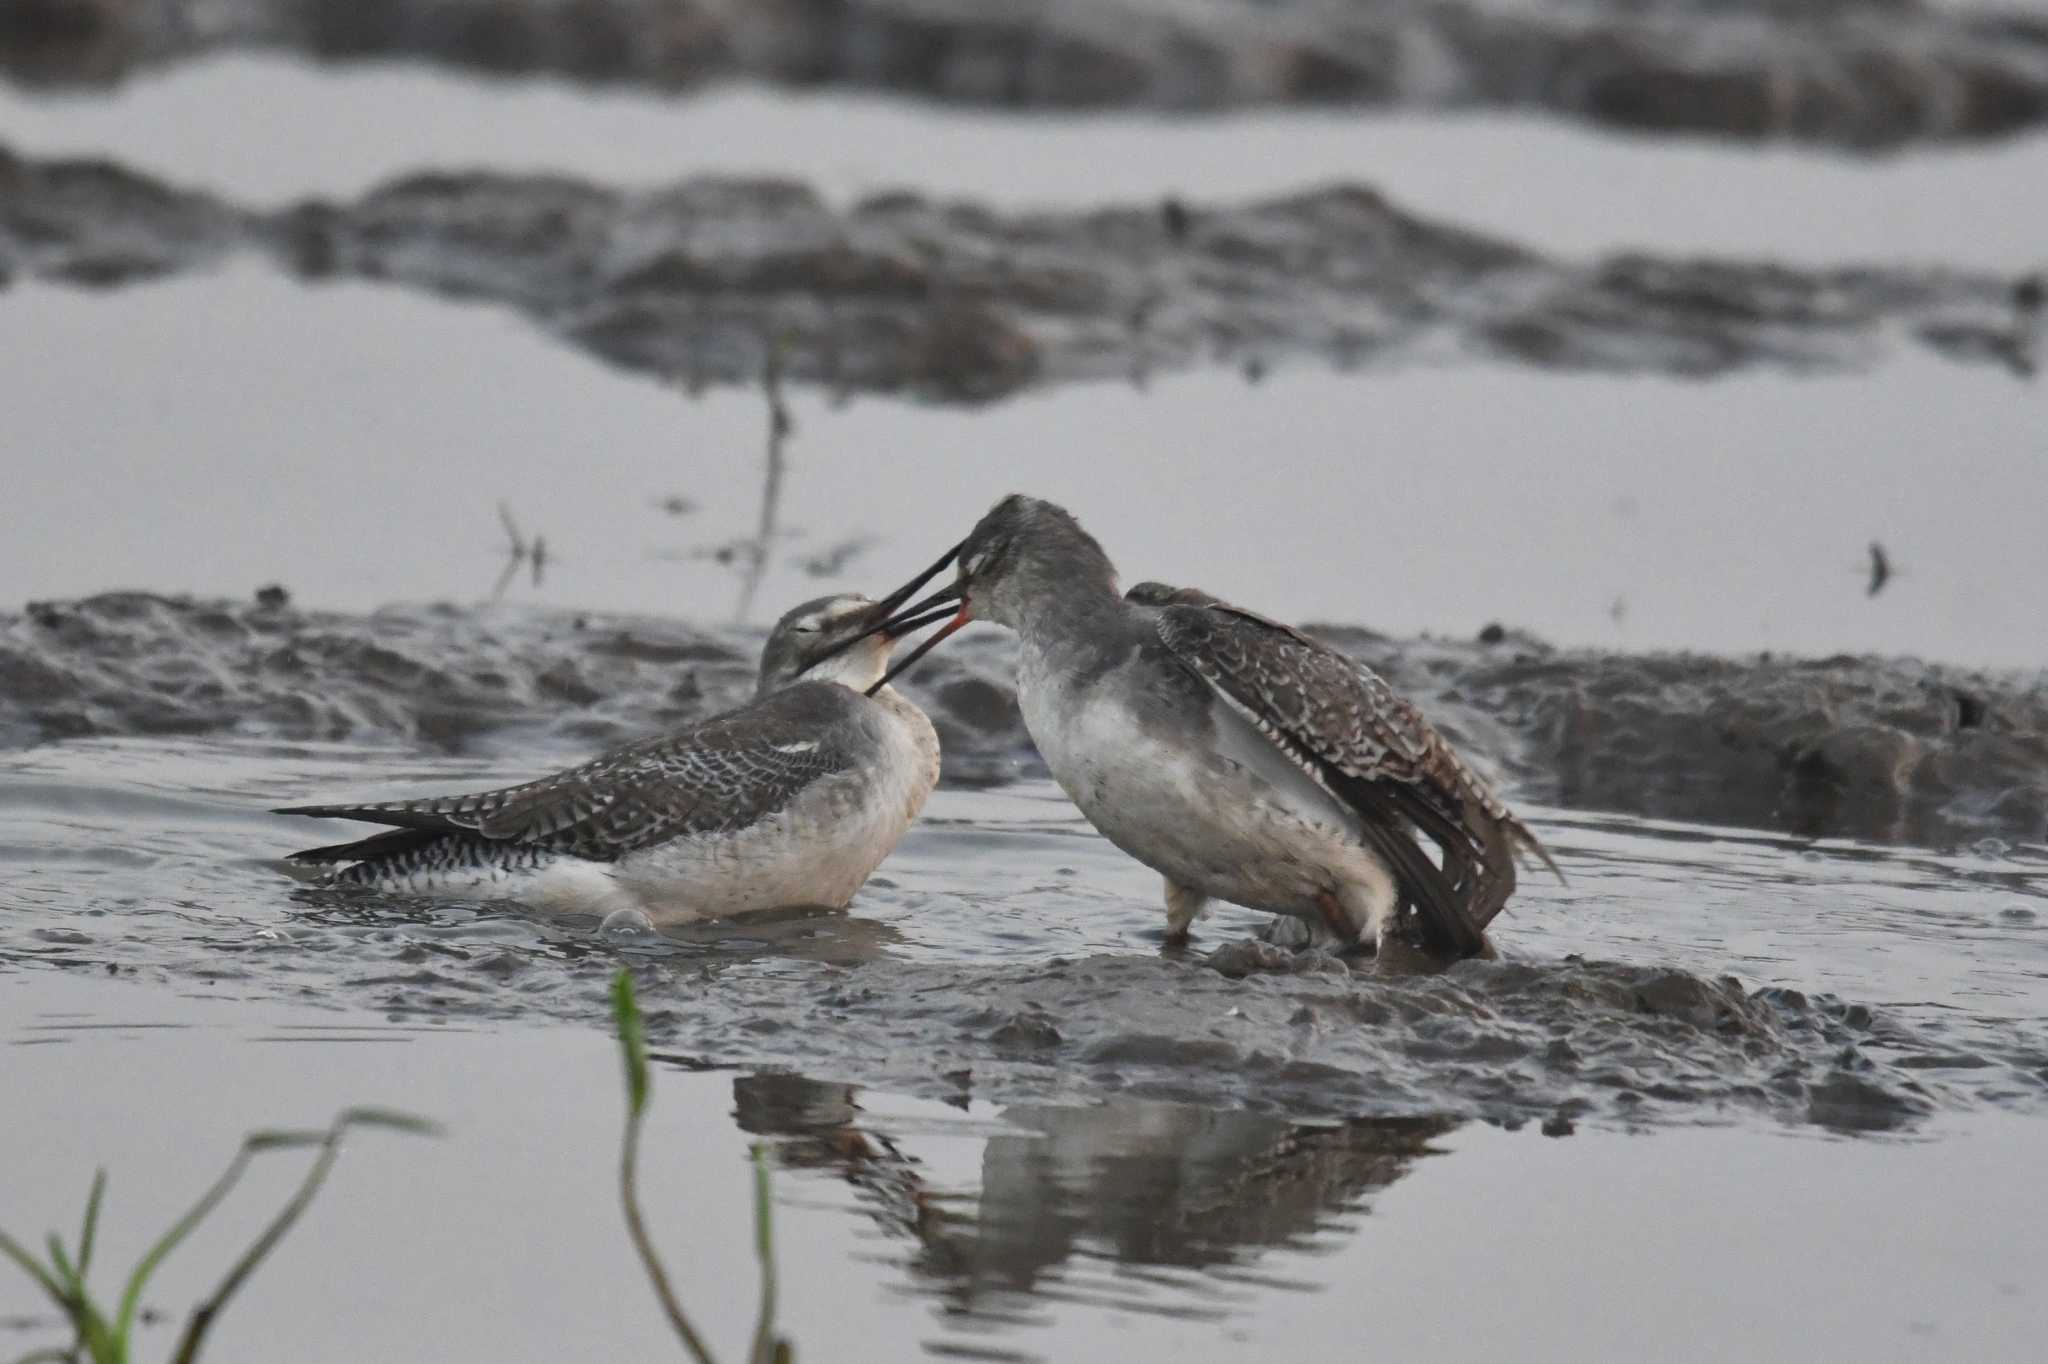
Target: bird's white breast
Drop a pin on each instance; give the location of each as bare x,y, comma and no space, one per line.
817,850
1202,798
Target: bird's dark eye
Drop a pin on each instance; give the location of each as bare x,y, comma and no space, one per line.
805,629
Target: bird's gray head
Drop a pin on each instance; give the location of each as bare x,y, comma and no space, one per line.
1026,557
1027,554
827,639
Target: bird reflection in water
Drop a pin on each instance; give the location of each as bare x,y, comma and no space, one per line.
1139,1183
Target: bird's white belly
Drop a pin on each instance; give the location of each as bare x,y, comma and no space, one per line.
1228,817
818,850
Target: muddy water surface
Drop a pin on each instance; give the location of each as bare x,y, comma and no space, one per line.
338,132
376,433
1768,1086
1008,1123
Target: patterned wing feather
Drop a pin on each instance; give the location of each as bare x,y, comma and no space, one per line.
722,773
1369,748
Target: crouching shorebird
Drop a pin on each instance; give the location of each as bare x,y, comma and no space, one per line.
791,799
1237,757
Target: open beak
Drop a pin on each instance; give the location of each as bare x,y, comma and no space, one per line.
909,660
892,605
909,623
887,616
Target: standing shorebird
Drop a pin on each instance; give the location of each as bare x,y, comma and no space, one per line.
791,799
1237,757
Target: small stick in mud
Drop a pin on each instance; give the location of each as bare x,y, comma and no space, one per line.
519,551
1175,219
780,425
1880,569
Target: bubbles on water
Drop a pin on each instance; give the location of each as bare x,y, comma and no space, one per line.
625,926
2017,914
1991,847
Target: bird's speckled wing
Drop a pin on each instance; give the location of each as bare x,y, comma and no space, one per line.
720,774
1371,748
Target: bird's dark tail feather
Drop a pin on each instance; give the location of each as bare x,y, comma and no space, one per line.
389,843
1527,842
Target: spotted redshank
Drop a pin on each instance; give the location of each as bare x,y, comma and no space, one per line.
791,799
1239,758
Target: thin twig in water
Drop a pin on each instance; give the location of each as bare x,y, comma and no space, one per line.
1880,569
780,424
519,550
515,554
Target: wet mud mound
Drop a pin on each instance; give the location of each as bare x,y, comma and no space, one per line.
1495,1040
440,676
699,281
1849,73
1872,747
1547,1041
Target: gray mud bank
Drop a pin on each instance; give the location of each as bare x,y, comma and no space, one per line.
1502,1041
1858,746
1848,73
698,282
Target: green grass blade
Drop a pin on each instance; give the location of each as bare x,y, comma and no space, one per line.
633,1051
284,1139
34,1269
61,1262
66,1289
100,1342
202,1318
632,1041
766,1346
90,1230
390,1120
131,1296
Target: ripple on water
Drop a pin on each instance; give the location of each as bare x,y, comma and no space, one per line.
1010,946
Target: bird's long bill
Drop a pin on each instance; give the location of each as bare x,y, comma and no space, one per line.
910,622
910,660
892,604
887,616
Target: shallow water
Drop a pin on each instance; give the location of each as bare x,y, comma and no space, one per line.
337,132
907,1228
383,430
1009,1125
1731,1094
1006,940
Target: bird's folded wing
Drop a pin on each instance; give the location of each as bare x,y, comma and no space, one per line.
1346,727
723,773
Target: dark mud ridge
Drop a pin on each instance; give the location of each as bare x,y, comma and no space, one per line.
697,282
1883,748
1503,1041
1537,1040
1852,73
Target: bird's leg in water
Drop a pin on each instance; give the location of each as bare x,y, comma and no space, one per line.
1344,933
1183,907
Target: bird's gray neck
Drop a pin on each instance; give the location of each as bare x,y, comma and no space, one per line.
1075,627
